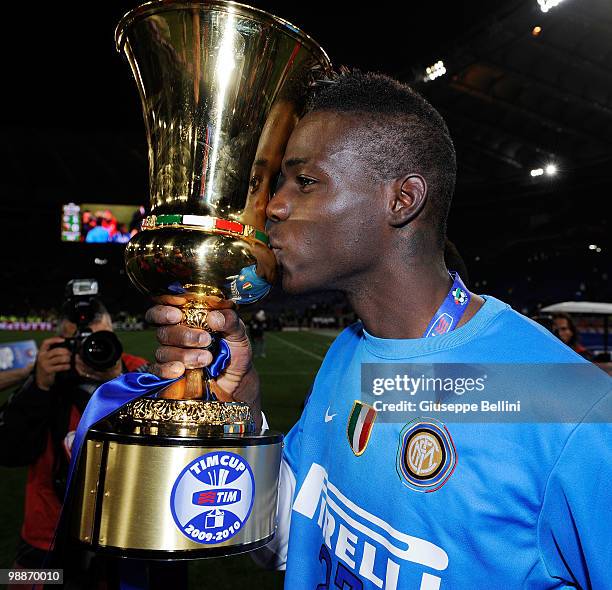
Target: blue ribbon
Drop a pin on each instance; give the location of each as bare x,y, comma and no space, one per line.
221,361
106,400
451,311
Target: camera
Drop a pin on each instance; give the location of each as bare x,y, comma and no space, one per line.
99,350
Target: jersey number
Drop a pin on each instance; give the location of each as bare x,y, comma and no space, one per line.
345,579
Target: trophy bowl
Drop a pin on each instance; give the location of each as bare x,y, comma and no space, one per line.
222,85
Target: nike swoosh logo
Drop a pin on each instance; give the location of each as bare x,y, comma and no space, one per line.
328,417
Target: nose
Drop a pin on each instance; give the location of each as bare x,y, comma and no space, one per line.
278,207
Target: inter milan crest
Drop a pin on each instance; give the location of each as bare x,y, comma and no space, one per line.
426,457
212,497
360,423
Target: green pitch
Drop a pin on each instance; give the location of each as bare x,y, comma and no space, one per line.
287,372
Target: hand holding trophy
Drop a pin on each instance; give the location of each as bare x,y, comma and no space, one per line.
183,348
189,473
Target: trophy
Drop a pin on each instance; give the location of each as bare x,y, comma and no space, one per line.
183,475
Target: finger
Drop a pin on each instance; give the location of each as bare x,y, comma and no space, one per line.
46,344
57,368
57,354
191,359
168,370
60,360
228,322
174,300
183,336
163,314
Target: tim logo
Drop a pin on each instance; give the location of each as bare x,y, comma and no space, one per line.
441,326
217,497
212,497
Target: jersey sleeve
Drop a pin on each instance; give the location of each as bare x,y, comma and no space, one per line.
293,445
274,554
574,525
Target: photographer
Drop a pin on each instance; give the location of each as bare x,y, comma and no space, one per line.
38,423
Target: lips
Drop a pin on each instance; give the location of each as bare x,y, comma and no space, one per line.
274,243
276,250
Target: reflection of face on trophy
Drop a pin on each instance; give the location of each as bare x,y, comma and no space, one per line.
222,86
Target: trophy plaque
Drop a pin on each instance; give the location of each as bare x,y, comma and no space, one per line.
183,475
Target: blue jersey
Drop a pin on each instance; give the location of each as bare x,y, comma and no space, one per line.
525,505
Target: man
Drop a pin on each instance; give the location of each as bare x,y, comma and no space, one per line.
361,207
37,427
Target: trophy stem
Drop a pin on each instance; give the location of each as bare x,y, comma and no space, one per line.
193,385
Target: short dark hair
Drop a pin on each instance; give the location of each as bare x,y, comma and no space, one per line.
402,132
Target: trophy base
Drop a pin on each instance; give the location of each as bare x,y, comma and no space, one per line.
164,497
182,555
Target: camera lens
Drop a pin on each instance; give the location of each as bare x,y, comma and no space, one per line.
101,350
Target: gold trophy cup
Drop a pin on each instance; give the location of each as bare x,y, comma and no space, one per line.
183,475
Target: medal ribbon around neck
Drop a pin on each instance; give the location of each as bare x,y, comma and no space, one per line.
451,311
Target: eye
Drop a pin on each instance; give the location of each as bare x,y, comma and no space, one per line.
304,181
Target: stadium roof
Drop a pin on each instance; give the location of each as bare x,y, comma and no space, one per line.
588,307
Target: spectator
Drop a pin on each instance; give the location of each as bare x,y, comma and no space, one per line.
564,328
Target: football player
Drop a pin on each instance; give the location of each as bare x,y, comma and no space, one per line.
366,502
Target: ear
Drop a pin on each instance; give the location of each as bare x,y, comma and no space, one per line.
407,196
